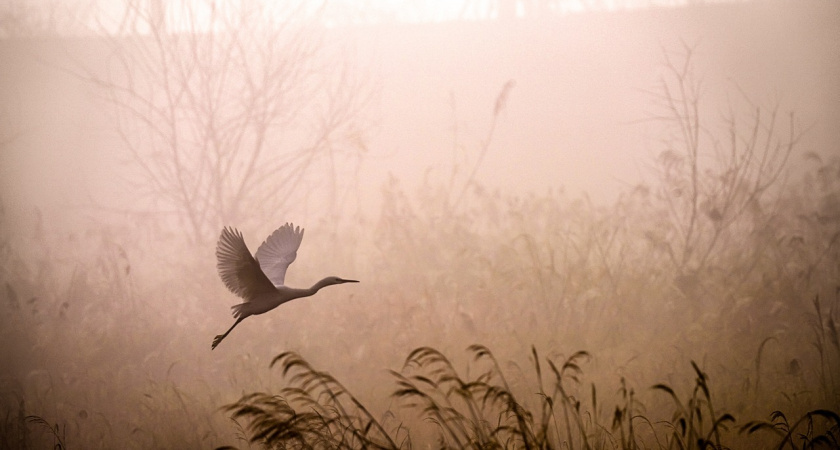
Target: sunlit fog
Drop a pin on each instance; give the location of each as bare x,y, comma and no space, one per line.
579,224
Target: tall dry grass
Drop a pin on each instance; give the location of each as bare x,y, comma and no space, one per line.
482,411
93,355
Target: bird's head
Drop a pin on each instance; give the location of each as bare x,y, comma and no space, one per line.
329,281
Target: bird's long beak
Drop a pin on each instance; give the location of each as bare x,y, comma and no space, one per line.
347,281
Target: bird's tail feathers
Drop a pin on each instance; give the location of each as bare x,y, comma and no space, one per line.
237,310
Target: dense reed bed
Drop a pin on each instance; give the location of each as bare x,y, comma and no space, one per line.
316,411
95,360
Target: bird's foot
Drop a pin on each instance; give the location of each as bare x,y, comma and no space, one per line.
216,341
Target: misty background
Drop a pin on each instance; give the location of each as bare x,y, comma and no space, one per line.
654,183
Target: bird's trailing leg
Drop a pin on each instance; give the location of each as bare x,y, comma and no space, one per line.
219,338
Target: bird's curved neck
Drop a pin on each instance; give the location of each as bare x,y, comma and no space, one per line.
288,293
319,285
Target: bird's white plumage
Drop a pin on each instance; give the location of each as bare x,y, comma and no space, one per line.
278,251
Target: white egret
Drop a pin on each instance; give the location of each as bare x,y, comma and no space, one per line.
259,281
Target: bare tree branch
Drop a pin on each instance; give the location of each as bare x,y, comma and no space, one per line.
716,192
229,108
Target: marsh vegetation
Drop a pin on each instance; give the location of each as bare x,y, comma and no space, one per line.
615,326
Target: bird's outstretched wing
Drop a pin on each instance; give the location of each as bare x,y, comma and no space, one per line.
238,269
278,251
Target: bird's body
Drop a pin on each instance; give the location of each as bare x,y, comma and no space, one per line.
259,280
265,302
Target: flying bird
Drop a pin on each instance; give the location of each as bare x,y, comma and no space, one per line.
259,279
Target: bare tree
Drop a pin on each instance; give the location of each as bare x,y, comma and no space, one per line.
229,109
718,192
